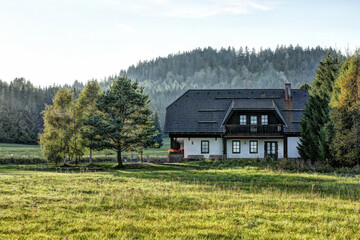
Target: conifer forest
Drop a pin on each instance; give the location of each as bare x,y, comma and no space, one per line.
165,79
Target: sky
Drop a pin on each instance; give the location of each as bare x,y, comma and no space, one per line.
60,41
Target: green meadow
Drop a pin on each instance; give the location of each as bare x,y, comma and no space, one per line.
21,151
201,200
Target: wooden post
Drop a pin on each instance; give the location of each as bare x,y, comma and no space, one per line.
285,147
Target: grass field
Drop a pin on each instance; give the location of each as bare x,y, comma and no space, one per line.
34,151
202,200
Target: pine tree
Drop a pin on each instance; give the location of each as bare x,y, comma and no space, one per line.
345,114
313,118
124,120
316,126
157,125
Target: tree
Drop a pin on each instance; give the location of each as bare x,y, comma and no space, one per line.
305,86
345,103
157,125
124,118
312,121
316,126
86,110
55,140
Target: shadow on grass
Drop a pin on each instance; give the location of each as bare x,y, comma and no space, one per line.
251,179
232,176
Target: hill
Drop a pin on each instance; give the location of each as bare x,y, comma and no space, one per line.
166,78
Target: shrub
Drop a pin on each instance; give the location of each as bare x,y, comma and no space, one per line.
22,160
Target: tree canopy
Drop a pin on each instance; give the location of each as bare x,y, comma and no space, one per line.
345,104
316,126
124,119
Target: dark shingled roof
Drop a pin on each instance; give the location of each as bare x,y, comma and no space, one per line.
203,111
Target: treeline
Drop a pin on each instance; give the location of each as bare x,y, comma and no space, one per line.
21,105
164,79
330,128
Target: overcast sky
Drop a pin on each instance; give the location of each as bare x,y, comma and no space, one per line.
58,41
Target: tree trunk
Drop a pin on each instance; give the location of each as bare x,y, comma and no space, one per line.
120,164
142,156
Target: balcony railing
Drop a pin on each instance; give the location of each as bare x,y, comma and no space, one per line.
270,129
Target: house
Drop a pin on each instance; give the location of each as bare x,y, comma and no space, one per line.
236,123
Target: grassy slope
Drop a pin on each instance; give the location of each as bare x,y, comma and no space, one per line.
178,201
33,151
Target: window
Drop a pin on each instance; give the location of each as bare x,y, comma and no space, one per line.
253,121
204,146
235,146
253,146
271,149
242,119
264,119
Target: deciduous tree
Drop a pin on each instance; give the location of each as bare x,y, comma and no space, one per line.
345,103
55,140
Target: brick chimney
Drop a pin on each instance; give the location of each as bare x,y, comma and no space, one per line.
287,91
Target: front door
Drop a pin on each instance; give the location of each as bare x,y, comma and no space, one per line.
271,150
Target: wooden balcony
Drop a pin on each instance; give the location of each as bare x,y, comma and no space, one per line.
237,129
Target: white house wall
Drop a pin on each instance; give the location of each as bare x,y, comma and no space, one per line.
192,146
292,143
245,148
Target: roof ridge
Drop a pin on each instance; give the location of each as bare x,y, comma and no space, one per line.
177,99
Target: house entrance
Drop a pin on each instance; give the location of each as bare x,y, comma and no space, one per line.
271,150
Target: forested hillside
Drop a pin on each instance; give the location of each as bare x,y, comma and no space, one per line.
166,78
21,105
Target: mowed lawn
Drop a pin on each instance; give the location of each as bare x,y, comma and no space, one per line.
180,201
33,151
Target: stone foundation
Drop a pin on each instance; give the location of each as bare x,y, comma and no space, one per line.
175,158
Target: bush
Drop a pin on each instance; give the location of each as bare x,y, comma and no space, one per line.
22,160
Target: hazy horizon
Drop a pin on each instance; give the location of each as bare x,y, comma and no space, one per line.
59,42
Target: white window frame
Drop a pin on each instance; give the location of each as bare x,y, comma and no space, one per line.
253,127
264,119
239,147
253,147
241,119
253,122
207,142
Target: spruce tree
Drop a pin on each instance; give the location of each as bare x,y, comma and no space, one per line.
316,126
345,114
157,125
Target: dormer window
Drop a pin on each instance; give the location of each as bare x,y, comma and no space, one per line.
242,119
253,120
264,119
253,123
